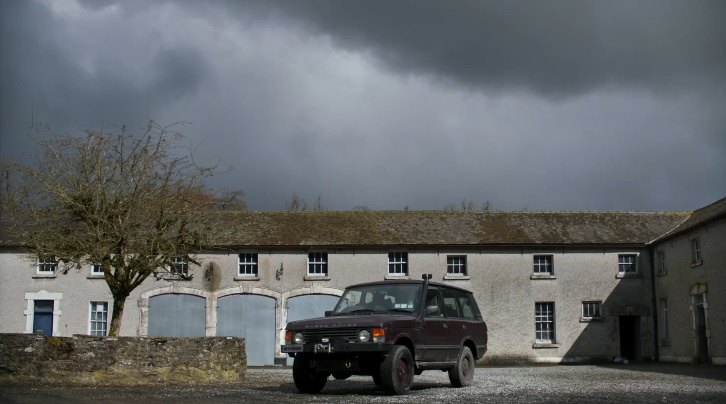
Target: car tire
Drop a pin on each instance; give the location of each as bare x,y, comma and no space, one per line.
397,371
306,379
462,374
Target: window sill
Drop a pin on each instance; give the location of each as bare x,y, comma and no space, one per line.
392,277
696,264
662,273
95,277
591,319
176,278
456,277
44,276
622,275
243,278
545,345
541,276
316,278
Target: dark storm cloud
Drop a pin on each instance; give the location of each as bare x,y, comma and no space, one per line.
556,48
45,79
540,105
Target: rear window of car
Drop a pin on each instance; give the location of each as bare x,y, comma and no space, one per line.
460,304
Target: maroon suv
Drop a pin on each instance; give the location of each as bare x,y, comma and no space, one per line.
383,329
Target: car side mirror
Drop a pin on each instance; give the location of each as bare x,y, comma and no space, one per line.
432,310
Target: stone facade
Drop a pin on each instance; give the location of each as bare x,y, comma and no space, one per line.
599,311
120,361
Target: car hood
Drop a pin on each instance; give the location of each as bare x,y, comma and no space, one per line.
362,321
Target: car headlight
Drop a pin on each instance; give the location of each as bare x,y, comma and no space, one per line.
298,338
364,335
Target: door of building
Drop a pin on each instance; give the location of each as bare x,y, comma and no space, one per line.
630,337
177,315
253,318
701,333
43,317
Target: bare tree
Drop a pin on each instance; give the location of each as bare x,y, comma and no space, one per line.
129,203
297,203
319,207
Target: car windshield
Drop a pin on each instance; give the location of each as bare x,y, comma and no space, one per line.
391,298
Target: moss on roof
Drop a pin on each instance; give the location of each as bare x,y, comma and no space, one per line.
442,228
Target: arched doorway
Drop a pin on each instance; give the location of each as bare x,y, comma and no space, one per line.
176,315
253,318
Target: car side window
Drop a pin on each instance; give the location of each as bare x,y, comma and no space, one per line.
433,306
452,307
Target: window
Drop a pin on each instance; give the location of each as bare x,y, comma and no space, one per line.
591,310
398,263
696,257
98,323
96,270
544,322
660,262
543,265
664,320
318,263
627,264
459,304
47,265
180,267
456,265
247,264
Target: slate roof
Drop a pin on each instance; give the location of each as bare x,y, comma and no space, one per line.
700,217
432,228
276,229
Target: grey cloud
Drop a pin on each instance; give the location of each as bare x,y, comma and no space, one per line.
555,48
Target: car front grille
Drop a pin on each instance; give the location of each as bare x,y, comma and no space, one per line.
347,335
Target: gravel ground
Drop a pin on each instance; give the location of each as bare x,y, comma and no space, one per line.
639,383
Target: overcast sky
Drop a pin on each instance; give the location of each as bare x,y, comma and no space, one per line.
539,105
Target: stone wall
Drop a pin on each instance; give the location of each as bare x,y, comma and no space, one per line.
81,359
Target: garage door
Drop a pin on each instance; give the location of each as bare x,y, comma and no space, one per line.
308,306
251,317
176,315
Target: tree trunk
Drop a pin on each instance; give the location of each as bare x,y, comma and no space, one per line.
118,313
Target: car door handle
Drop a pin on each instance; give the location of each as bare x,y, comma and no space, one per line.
446,325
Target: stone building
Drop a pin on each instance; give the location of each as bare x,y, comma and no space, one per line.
690,292
553,287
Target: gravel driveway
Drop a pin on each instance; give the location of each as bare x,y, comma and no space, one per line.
644,383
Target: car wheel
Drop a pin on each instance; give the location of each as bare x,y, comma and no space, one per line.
306,379
397,371
462,374
341,375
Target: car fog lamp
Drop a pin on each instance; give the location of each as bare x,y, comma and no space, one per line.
364,335
298,338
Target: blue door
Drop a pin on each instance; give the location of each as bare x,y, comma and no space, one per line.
177,315
43,317
253,318
308,306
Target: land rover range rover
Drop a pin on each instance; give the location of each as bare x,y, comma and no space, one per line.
389,330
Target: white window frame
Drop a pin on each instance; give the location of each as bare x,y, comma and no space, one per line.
248,265
97,270
587,312
660,261
96,327
624,263
46,265
456,265
544,314
318,263
180,267
543,264
696,252
398,263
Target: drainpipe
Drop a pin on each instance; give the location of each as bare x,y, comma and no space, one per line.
654,303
